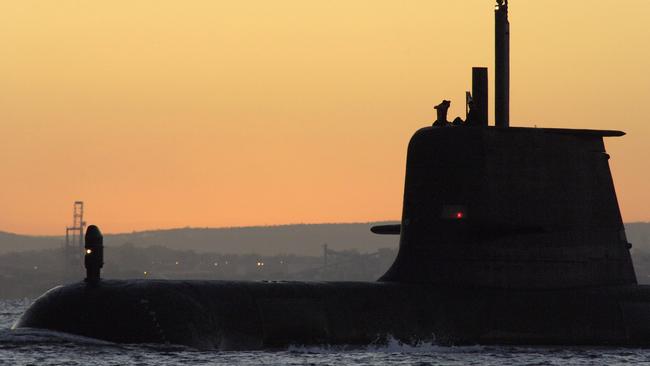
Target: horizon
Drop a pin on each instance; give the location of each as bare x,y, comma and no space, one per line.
210,228
219,114
239,227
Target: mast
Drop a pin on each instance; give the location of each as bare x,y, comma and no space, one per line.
502,64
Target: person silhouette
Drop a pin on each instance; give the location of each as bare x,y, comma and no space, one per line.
442,109
471,113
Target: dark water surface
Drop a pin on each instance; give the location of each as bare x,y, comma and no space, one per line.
35,347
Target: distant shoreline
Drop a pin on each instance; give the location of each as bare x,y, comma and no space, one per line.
49,236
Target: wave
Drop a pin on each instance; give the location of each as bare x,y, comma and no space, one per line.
391,345
27,336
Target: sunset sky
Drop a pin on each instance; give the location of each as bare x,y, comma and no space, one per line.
161,114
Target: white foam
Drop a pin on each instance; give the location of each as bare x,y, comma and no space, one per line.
392,345
41,336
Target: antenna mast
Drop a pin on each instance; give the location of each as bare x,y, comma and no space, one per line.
501,64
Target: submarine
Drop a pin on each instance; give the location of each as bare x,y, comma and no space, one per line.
509,235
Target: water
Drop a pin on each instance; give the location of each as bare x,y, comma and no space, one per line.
34,347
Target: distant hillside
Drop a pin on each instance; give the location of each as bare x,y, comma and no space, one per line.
303,239
306,239
16,243
638,233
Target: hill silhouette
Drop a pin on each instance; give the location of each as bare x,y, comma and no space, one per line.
10,242
299,239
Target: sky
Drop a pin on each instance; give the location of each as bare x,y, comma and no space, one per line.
161,114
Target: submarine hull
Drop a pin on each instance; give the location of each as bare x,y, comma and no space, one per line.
256,315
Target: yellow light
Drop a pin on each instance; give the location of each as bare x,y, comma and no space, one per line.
176,262
145,273
88,251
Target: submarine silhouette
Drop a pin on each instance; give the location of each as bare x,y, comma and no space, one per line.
509,235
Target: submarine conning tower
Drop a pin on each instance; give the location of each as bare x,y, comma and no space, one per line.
509,207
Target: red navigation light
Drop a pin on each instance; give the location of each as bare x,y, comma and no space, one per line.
453,212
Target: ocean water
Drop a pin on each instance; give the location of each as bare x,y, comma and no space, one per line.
37,347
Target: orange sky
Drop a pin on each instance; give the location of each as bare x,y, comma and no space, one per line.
225,113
